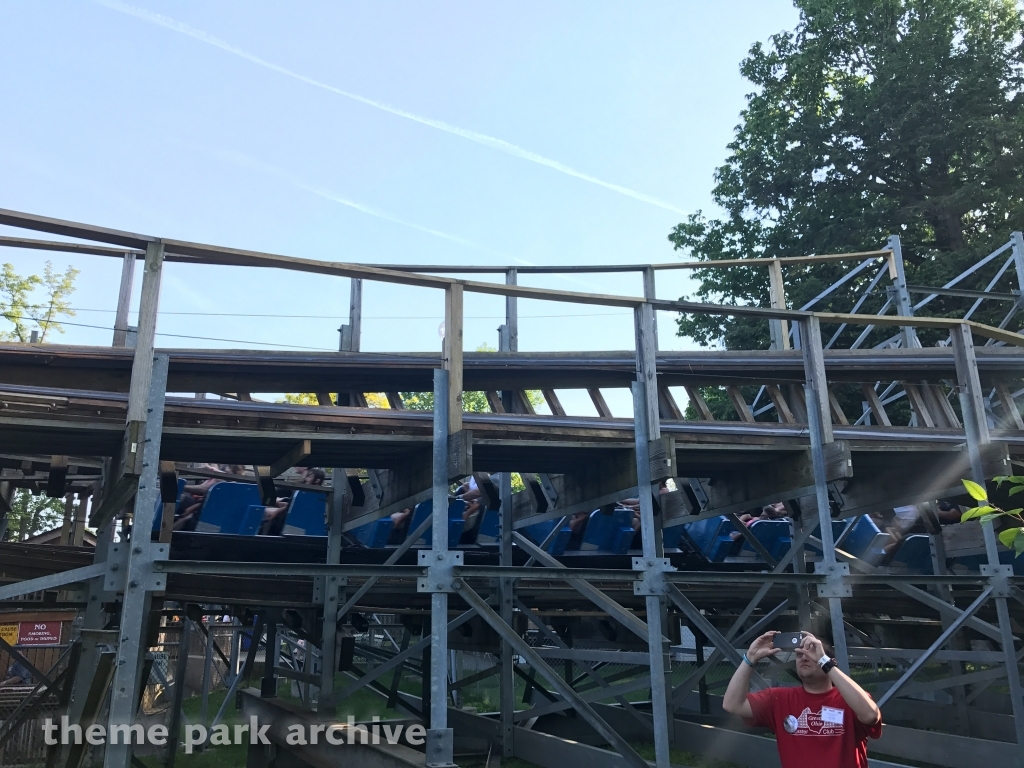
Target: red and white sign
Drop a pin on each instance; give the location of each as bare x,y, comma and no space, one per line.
39,633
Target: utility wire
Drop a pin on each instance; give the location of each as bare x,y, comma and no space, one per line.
365,317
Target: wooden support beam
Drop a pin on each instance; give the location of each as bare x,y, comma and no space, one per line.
668,408
489,494
836,409
392,490
265,482
395,401
603,483
244,397
875,404
880,481
522,403
787,477
494,401
777,297
1011,414
917,403
122,492
943,404
699,404
68,523
355,315
324,398
781,406
124,300
599,403
512,312
168,499
553,402
452,354
740,404
78,527
301,450
57,480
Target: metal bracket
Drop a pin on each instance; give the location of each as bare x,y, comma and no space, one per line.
117,567
835,584
999,577
652,580
440,570
321,584
440,747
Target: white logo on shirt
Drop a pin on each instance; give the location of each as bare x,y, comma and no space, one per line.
827,722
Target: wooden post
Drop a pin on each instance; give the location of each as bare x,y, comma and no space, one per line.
355,315
452,354
69,522
777,298
646,366
124,300
142,366
512,312
650,292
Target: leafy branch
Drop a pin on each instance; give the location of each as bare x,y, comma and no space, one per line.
986,511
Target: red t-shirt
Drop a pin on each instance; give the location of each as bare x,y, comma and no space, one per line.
813,730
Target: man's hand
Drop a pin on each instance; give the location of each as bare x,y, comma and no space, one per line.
810,648
762,648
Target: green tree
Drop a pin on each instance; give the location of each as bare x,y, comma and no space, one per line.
21,306
871,118
30,514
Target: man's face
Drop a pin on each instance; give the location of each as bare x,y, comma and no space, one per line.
808,670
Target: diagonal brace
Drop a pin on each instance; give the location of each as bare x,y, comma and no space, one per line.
53,581
563,688
596,596
939,642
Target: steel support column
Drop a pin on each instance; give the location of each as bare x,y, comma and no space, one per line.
507,681
140,579
899,295
646,427
330,591
972,406
440,739
819,425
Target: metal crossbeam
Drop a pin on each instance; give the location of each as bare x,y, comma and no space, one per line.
554,680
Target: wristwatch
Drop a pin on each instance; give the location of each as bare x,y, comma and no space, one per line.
827,664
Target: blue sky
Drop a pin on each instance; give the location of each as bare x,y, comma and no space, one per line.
443,132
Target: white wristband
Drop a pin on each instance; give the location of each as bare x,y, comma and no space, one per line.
824,660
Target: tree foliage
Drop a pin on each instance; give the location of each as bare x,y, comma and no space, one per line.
30,515
23,307
871,118
1010,520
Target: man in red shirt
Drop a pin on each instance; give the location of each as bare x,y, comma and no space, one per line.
825,721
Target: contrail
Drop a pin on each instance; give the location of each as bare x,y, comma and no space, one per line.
247,162
237,158
480,138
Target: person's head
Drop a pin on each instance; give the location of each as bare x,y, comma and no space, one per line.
808,669
315,476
